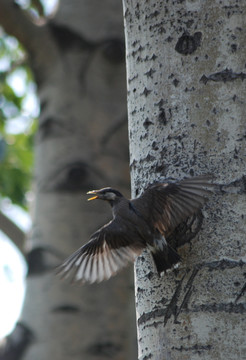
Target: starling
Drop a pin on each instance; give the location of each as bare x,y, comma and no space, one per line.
144,222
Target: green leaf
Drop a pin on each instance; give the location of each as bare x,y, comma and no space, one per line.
16,150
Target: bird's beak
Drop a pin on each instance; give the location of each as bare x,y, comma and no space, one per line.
94,192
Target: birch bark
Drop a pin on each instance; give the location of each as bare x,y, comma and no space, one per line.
186,108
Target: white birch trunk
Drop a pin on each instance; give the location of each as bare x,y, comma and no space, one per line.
81,144
186,106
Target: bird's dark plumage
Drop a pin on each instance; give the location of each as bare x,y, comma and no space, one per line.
139,223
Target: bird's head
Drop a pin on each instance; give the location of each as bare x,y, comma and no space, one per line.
107,193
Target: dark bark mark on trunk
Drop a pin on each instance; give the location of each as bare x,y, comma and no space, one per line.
241,293
147,357
66,308
42,259
147,123
222,264
150,73
162,117
224,76
187,44
67,38
237,186
151,315
196,349
222,307
73,177
52,127
188,289
172,307
146,92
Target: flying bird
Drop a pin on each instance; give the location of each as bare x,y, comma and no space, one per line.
144,222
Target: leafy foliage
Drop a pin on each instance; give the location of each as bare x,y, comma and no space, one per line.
17,123
15,168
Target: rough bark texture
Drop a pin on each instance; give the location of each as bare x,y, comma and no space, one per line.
186,103
81,144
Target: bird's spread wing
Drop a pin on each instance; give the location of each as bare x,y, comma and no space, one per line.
108,250
166,205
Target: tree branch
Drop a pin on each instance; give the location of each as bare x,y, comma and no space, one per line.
12,231
36,39
16,22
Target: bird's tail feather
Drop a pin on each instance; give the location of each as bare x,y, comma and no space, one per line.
165,259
